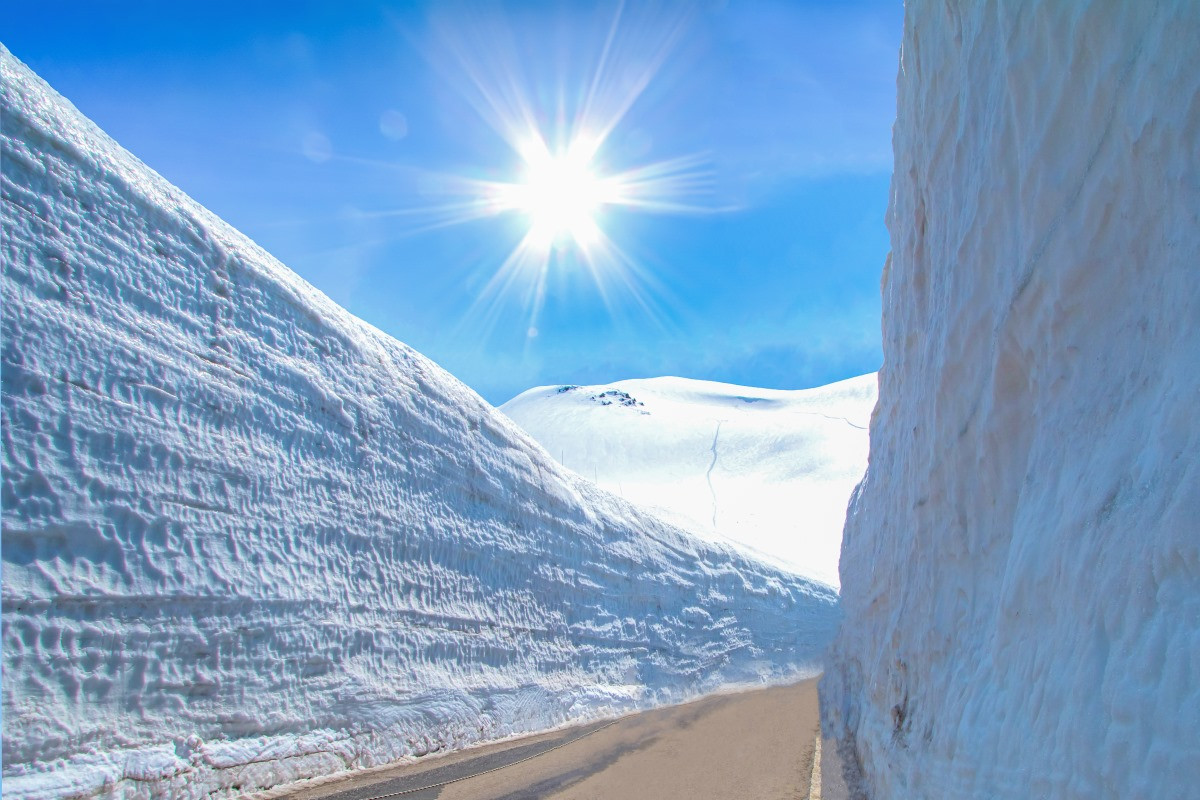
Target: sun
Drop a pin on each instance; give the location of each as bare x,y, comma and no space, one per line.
568,195
560,194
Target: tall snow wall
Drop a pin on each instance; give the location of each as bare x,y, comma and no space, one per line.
247,538
1021,564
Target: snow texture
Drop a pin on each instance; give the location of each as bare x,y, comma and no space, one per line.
249,539
1021,565
769,470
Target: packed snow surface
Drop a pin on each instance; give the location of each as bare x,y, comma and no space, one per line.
1021,567
248,539
770,470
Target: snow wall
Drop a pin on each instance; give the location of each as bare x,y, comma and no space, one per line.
1021,564
247,538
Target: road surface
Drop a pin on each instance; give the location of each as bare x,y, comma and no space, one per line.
752,744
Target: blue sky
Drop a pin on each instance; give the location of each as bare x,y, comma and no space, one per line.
331,133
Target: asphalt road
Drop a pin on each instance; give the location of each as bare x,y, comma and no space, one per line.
756,744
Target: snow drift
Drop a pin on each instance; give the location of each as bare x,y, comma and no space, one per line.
1021,565
248,539
769,470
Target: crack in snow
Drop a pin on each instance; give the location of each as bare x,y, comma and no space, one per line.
708,475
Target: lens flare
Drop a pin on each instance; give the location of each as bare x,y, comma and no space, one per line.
560,194
567,177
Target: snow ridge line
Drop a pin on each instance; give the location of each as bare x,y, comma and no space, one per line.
836,419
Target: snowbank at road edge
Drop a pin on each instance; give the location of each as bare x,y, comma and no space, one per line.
249,539
1021,564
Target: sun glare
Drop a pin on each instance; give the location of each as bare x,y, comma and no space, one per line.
561,195
562,185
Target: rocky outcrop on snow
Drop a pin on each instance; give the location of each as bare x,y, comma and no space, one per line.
1021,564
248,539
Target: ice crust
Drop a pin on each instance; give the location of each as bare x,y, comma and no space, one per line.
1021,565
767,469
249,539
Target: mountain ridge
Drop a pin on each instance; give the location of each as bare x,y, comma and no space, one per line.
769,470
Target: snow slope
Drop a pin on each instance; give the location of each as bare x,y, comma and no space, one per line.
1021,566
771,470
247,538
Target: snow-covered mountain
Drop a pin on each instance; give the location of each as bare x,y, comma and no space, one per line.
247,538
770,470
1021,567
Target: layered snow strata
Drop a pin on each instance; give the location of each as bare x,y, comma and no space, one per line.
248,539
770,470
1021,565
